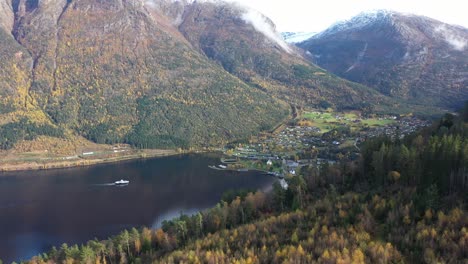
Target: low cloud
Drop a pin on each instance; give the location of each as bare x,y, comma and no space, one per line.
450,36
250,16
457,43
261,24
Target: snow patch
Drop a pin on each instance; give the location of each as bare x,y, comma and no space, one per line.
361,20
359,58
151,4
260,23
451,37
178,20
297,37
155,4
424,51
407,55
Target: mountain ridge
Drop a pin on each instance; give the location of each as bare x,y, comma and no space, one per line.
401,55
155,74
98,79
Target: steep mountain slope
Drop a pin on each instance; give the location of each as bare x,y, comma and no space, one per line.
153,73
406,56
246,44
116,71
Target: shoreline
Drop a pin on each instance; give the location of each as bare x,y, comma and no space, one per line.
81,162
213,167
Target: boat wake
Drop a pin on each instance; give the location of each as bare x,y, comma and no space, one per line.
117,183
105,184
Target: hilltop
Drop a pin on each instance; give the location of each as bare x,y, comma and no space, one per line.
408,57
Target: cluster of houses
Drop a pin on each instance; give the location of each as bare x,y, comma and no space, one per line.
292,138
401,128
295,139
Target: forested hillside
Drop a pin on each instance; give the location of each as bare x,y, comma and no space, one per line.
117,72
156,74
403,201
246,44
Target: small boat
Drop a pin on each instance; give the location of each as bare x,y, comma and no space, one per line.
121,182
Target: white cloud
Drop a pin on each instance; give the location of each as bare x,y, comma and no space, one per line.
457,42
261,24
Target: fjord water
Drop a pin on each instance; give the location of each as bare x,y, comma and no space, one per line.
40,209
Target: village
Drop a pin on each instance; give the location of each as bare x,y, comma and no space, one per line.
315,138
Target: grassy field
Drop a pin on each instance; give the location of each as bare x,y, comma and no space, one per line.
377,122
327,121
318,115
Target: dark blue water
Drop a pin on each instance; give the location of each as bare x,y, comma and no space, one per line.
40,209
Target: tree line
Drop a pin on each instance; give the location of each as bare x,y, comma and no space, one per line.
25,130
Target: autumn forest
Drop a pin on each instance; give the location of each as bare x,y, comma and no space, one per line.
403,201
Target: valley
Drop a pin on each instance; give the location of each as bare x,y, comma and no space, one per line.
158,76
307,133
387,205
182,131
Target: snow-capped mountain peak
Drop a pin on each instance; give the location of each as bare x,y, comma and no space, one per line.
361,20
399,54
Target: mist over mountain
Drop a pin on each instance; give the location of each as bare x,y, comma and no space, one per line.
413,58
